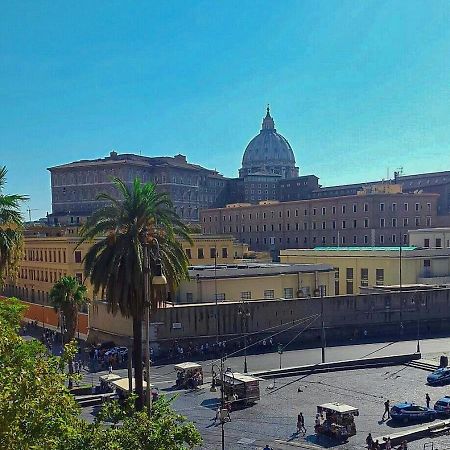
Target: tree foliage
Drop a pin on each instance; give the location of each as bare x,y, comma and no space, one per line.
37,411
11,230
136,217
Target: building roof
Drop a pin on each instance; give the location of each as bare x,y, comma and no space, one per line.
364,249
254,270
178,161
431,230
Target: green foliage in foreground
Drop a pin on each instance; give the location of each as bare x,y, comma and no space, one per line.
38,412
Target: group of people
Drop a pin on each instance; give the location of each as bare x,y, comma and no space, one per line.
375,445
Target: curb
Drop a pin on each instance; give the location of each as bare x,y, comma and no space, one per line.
351,364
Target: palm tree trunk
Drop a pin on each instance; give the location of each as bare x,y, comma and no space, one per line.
137,361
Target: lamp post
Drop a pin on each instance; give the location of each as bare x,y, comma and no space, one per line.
319,291
244,313
415,301
150,280
222,398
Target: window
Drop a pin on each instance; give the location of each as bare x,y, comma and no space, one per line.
382,222
354,223
429,207
405,206
314,211
364,277
394,222
438,243
366,207
212,252
379,277
334,224
200,254
366,239
417,221
288,293
188,253
349,287
427,263
394,238
426,243
381,239
314,226
343,224
224,252
333,209
381,206
324,210
417,207
77,256
355,239
428,221
366,223
405,222
324,225
343,209
189,297
394,207
269,294
349,273
354,207
246,295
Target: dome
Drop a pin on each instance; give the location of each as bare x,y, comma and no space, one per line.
269,152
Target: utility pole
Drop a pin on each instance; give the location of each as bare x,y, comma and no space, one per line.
323,324
215,294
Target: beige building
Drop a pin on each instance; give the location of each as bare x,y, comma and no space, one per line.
51,253
359,268
248,281
430,237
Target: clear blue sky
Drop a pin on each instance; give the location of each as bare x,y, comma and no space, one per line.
355,86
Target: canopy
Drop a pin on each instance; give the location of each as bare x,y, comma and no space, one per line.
110,377
238,378
123,383
187,366
338,407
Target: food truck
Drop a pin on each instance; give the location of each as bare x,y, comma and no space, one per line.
240,388
189,375
336,420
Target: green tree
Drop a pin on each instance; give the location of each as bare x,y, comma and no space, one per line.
68,296
38,412
11,229
137,216
35,407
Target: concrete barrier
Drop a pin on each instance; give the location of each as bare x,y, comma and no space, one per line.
351,364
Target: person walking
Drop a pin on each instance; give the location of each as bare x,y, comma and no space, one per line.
369,441
428,400
387,409
301,424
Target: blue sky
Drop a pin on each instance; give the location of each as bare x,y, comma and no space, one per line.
357,87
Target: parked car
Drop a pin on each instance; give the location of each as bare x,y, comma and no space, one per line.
119,351
442,406
410,412
439,376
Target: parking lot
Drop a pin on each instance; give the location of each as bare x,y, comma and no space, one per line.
272,420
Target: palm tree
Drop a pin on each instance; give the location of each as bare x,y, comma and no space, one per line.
68,296
11,230
138,216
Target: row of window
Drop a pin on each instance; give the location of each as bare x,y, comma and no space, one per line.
333,225
394,238
437,243
323,210
47,275
50,255
349,285
212,252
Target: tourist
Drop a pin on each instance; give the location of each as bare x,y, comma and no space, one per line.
369,441
387,409
428,400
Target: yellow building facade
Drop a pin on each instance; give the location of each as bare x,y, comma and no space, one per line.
359,268
256,282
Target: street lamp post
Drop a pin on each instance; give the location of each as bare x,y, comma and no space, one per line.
244,313
150,280
418,305
222,399
319,291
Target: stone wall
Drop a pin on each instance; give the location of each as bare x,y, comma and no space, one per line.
344,316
